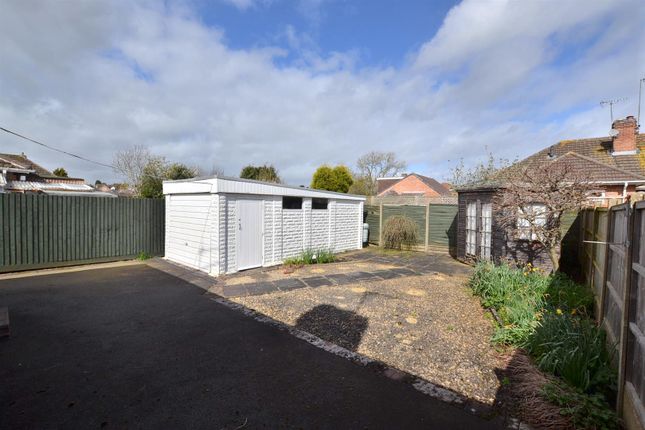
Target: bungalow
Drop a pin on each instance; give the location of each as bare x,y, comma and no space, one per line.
411,184
614,164
18,174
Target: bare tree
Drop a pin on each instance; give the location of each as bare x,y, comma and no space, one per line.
481,172
534,199
375,165
131,162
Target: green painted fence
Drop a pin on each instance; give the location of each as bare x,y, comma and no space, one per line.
440,220
50,231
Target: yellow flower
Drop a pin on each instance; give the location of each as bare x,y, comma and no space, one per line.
558,311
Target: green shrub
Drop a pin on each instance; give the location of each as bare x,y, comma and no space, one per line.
400,231
574,349
568,296
143,256
586,411
311,256
517,296
521,296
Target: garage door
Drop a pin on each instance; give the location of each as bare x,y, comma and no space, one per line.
188,228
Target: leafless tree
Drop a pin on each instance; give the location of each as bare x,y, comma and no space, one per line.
481,172
131,162
375,165
534,198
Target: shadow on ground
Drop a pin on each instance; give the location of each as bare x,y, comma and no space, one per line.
344,328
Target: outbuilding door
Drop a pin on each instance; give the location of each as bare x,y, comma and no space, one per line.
249,234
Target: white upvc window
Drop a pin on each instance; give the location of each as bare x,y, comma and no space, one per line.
530,219
471,228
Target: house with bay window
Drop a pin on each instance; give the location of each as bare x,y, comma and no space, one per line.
615,165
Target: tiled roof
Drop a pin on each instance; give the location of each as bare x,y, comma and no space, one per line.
383,184
592,156
598,150
434,184
19,162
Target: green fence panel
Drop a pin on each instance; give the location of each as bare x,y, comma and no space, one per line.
39,231
372,218
443,225
416,213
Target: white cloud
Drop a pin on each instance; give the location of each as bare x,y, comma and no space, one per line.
97,77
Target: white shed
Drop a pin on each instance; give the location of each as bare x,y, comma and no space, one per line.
221,225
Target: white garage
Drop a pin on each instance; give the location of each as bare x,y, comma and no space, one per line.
221,225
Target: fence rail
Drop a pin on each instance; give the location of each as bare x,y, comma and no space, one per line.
613,259
50,231
436,223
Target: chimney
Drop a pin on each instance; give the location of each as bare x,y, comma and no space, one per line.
625,139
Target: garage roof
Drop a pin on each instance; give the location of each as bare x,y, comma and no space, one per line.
222,184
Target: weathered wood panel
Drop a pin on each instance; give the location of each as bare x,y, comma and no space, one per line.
48,231
443,226
416,213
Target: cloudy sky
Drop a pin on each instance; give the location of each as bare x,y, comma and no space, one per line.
298,83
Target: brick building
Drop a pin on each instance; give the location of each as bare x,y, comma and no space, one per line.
412,184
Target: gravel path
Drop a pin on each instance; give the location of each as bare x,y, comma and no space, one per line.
429,325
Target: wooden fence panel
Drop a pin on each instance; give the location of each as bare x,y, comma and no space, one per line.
443,226
373,220
615,278
48,231
440,221
416,213
635,321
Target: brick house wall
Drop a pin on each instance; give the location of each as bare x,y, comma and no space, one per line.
412,185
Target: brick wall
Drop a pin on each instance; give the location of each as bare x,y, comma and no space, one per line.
411,184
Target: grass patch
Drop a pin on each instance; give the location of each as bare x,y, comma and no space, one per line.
143,256
311,256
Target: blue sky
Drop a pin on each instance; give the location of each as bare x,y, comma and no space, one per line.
223,83
384,33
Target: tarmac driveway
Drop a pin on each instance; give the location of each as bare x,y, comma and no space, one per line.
135,347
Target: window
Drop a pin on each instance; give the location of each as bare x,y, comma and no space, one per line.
471,228
319,203
486,231
291,202
530,219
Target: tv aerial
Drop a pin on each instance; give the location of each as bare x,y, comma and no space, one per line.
611,104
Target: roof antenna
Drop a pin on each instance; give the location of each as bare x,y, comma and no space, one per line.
611,104
640,92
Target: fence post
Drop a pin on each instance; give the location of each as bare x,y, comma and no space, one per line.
605,267
427,225
380,224
624,326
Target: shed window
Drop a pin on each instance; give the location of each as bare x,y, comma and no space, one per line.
486,231
291,202
471,228
319,203
530,221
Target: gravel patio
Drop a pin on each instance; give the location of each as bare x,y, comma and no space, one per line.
411,311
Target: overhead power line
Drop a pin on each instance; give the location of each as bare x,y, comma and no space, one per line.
56,149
